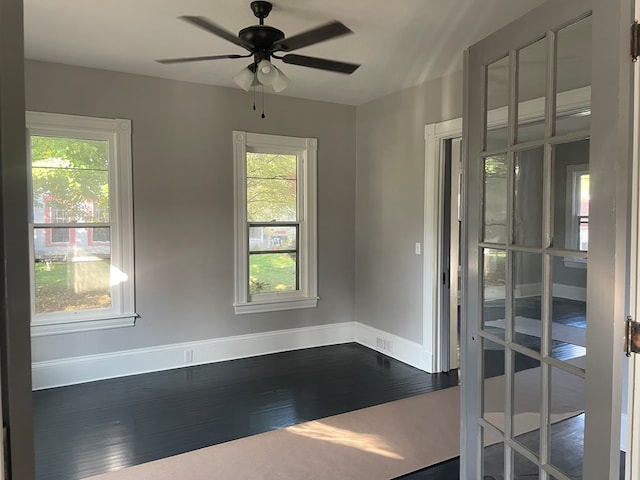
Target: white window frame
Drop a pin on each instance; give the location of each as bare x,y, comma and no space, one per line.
572,221
117,132
306,151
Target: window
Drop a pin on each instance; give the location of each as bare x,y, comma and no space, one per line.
577,223
82,227
275,212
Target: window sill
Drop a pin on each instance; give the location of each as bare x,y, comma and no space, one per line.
40,329
275,306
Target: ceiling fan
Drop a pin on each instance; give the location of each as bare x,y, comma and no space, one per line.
265,42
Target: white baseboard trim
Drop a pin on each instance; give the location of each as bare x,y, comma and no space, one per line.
396,347
70,371
88,368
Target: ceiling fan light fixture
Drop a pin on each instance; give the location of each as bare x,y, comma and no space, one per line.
281,82
266,72
244,78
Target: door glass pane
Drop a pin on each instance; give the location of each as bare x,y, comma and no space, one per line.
494,290
497,97
72,270
492,455
573,77
527,210
532,80
494,389
523,468
566,422
527,299
569,309
571,196
496,179
527,383
272,272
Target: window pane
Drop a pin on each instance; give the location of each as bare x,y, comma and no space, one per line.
70,180
101,235
272,272
263,238
271,187
71,277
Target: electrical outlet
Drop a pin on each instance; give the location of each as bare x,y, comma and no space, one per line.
418,248
188,356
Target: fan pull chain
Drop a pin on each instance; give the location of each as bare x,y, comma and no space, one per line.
263,115
254,98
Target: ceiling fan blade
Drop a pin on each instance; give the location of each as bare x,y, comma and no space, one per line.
310,37
199,59
216,30
321,63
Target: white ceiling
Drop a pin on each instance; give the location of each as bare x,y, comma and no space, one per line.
398,43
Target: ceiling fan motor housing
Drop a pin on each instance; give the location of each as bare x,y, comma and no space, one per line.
261,9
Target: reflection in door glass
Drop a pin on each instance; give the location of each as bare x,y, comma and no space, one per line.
496,179
532,73
527,401
494,387
566,421
527,299
497,97
573,76
571,184
523,468
492,455
494,291
527,209
568,309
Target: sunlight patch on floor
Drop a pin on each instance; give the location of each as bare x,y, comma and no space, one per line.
362,441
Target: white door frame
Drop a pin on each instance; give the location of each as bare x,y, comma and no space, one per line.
631,428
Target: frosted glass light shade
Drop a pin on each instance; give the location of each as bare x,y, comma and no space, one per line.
266,73
244,79
281,82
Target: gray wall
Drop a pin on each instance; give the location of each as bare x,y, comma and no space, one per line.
183,202
390,199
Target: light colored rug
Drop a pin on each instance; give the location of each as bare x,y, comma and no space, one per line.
380,442
375,443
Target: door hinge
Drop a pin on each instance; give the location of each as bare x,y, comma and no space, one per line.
631,336
635,41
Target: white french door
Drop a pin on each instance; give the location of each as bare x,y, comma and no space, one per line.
546,235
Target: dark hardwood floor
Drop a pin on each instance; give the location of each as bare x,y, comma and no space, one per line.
87,429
